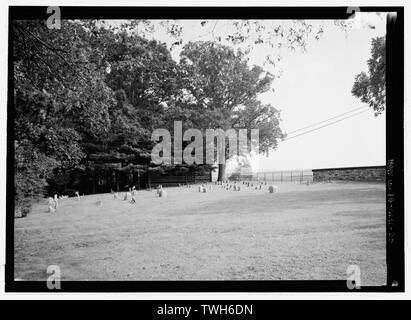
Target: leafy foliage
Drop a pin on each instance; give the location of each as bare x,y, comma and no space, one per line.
370,88
31,167
60,98
224,90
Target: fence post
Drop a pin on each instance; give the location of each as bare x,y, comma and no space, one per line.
291,176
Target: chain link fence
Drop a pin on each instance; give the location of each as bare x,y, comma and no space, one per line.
290,176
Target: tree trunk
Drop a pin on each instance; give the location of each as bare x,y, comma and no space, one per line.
221,172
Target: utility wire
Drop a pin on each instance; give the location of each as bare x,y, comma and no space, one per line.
352,115
337,116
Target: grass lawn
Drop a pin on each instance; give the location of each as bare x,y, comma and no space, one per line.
301,232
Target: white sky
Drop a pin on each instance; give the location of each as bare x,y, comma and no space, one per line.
314,86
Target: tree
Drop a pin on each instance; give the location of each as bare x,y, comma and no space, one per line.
224,91
60,97
370,88
270,36
144,78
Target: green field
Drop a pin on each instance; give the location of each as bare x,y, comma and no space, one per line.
301,232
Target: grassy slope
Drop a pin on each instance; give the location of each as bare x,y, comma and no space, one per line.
302,232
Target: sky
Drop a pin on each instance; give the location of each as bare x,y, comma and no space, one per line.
313,86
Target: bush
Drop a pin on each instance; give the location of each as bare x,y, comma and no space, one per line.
31,169
25,210
22,209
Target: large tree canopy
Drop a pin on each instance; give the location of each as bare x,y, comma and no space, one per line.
59,96
224,90
370,87
143,77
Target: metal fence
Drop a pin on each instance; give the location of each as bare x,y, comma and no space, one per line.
291,176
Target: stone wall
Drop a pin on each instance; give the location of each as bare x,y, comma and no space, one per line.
376,174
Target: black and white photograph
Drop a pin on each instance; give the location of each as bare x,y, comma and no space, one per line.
205,147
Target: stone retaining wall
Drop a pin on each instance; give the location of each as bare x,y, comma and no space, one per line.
376,174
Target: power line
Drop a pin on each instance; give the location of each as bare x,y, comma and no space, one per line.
352,115
337,116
